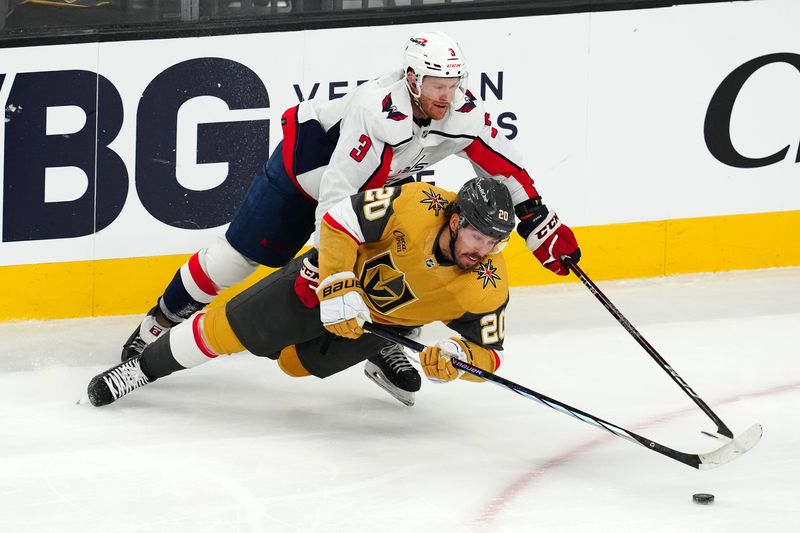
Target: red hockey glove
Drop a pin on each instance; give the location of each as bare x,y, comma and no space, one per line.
546,236
307,280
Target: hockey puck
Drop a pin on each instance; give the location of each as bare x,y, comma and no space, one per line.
703,498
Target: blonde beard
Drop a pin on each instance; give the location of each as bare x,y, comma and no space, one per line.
419,107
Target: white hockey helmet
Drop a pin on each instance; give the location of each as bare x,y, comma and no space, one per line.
433,53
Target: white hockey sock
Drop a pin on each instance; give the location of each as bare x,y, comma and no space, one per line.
150,329
188,346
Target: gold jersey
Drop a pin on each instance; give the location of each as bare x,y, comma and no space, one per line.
387,238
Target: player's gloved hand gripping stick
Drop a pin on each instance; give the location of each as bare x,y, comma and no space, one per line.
341,305
704,461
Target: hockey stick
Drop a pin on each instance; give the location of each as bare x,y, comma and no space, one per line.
722,429
704,461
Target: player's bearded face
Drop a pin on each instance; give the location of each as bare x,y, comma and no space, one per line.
472,247
437,94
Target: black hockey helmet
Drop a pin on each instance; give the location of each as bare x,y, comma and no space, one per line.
486,204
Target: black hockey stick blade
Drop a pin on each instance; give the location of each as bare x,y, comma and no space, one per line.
705,461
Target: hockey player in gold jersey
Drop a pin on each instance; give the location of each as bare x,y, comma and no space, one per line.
402,257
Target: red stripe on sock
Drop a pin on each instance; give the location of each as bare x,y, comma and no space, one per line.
200,278
198,337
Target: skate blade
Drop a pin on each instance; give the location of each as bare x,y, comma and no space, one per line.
404,397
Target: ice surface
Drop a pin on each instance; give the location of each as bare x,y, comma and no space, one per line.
236,446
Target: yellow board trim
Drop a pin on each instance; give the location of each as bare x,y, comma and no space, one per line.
616,251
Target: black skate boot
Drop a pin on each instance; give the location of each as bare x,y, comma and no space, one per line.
391,370
116,382
145,333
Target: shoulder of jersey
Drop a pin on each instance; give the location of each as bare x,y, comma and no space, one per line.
387,106
488,284
424,198
466,116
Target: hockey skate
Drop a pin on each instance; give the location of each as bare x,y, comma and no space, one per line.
145,333
391,371
111,385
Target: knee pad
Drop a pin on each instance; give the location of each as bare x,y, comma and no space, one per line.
218,333
289,362
224,265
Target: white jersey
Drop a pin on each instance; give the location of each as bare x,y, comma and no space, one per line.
368,139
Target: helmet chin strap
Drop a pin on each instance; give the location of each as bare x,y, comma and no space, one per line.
415,96
415,102
418,83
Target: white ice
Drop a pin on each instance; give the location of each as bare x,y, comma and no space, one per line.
236,446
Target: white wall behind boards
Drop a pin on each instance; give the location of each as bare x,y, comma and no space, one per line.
608,108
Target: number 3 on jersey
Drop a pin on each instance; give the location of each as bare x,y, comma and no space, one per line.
359,152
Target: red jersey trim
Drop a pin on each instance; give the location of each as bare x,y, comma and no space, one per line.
496,164
333,223
381,174
289,125
496,360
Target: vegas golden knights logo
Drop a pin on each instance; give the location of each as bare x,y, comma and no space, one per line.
385,285
435,201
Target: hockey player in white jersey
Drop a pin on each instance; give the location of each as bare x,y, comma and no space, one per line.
380,133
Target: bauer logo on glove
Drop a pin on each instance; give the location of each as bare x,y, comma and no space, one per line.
436,360
341,305
347,284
